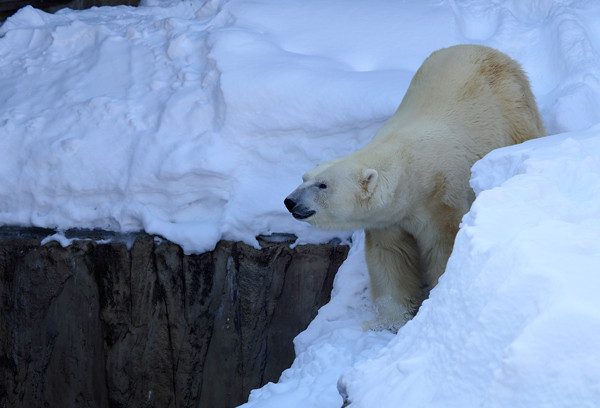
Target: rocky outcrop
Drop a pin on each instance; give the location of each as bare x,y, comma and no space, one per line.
104,325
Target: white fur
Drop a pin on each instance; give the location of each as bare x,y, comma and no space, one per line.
409,187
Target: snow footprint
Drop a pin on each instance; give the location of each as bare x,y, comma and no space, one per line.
477,21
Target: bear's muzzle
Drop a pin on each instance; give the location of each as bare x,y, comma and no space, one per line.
298,211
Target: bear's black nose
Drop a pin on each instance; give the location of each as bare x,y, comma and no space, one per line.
289,204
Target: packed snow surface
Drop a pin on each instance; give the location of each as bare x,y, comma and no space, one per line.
194,119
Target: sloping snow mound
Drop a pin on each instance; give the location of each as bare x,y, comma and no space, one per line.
515,320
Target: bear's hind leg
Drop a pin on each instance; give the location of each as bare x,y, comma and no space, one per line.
393,261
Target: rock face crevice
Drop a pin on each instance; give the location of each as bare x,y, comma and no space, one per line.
101,325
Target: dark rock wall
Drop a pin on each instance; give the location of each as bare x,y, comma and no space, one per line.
9,7
101,325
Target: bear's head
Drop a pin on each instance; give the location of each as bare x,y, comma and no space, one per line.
335,195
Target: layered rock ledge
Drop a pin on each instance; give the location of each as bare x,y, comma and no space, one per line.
144,325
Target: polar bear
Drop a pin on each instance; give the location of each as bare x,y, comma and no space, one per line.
408,188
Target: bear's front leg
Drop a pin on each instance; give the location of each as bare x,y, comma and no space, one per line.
395,276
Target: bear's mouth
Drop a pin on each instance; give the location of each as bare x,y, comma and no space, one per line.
299,211
302,215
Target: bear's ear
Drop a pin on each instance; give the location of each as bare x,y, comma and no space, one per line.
369,181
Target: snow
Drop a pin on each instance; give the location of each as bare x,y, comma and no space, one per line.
194,119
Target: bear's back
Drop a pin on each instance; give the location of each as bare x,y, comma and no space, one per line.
477,89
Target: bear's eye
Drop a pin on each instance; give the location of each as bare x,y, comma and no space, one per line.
322,186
